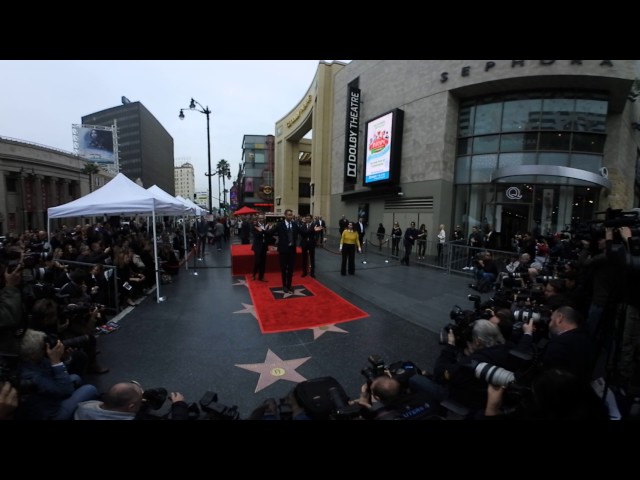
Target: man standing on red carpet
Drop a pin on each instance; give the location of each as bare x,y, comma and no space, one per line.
287,231
308,234
260,246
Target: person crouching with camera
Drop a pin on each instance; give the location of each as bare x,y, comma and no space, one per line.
454,379
48,391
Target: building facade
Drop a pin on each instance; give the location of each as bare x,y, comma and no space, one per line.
34,178
185,185
302,180
145,148
254,188
522,145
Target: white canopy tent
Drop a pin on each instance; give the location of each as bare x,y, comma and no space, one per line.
121,196
190,210
197,210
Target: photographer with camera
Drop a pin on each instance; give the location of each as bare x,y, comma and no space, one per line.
53,393
13,322
127,401
386,398
8,401
454,379
569,347
555,394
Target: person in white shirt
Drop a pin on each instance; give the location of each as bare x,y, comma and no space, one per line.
442,238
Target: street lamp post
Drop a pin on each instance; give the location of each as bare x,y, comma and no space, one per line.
207,112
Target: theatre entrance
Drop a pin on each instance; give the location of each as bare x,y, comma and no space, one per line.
514,219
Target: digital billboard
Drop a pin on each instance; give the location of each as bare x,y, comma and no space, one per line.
95,143
383,149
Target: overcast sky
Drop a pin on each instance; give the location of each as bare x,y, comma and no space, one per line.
41,99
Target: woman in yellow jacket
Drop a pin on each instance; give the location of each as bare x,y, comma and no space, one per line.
349,240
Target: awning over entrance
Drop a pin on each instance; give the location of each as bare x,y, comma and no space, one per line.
566,175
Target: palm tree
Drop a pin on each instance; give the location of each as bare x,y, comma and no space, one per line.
223,169
90,168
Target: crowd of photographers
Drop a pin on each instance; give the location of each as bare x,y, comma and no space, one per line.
528,352
55,295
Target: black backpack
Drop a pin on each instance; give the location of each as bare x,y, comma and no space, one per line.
321,397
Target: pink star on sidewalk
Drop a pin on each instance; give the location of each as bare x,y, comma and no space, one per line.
274,369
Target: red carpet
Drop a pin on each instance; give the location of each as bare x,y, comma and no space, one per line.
311,305
242,260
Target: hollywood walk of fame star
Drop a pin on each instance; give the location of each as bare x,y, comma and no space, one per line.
248,308
319,331
274,369
241,281
297,292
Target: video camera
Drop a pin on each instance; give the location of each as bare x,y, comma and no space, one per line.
217,411
74,342
401,370
463,322
9,373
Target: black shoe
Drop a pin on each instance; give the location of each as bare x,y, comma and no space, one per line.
304,274
343,274
313,275
262,280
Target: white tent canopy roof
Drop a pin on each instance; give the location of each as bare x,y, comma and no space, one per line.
181,208
120,196
198,210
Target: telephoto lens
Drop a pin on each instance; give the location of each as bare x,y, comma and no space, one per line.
494,375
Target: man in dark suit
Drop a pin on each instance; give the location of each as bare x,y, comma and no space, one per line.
342,224
202,228
491,239
570,346
308,233
287,231
320,233
260,247
360,228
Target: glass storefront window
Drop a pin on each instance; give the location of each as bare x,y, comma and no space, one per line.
557,113
462,170
555,141
559,159
487,119
486,144
587,142
591,115
464,146
515,159
520,115
591,163
482,166
465,120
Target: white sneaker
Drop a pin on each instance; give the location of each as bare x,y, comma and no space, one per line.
465,268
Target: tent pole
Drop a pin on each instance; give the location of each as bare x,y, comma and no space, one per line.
184,242
155,255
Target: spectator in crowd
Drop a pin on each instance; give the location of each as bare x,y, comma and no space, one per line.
56,393
260,247
308,232
442,238
349,241
380,235
422,241
360,228
396,236
570,347
8,401
410,235
125,401
454,378
342,224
